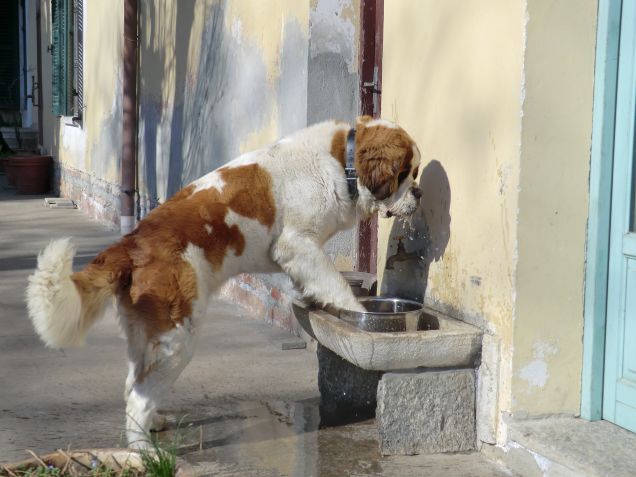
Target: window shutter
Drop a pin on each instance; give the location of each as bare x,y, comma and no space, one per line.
78,67
59,52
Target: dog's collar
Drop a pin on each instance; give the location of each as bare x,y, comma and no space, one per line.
350,170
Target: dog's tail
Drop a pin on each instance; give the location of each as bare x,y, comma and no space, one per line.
62,305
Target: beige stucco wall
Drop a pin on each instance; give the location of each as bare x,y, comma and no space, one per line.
89,151
221,78
498,95
217,79
452,75
553,206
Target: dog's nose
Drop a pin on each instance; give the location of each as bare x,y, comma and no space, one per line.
417,192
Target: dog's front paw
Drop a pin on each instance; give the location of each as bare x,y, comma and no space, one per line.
351,306
158,423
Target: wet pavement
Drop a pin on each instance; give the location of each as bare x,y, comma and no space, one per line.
244,406
278,438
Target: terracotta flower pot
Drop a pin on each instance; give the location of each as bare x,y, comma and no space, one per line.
32,174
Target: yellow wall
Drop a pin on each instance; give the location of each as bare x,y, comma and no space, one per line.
216,78
209,84
498,95
222,78
553,205
452,73
89,151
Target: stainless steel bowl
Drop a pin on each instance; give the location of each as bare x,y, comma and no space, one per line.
390,315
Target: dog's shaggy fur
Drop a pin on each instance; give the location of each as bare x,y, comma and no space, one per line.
269,210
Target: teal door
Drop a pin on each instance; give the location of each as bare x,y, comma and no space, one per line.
619,393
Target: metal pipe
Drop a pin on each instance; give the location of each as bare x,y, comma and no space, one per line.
129,133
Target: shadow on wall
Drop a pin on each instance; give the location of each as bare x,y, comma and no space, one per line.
156,53
424,240
200,102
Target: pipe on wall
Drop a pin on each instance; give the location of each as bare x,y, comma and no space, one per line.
129,134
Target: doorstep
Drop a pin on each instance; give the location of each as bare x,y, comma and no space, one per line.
567,446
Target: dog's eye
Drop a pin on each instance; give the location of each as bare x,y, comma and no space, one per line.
403,175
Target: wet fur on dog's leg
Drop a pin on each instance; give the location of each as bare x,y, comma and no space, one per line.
160,361
310,267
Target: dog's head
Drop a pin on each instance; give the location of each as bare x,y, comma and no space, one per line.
387,162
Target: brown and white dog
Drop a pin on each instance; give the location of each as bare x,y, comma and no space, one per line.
270,210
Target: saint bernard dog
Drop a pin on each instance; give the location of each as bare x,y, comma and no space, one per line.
270,210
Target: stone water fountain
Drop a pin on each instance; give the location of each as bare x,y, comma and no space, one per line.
418,377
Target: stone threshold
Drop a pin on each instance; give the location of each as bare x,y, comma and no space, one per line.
567,446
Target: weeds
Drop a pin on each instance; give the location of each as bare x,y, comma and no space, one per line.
159,460
53,471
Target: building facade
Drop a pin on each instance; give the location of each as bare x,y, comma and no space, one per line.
524,114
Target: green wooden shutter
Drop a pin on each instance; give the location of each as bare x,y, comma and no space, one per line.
78,66
60,57
68,51
58,50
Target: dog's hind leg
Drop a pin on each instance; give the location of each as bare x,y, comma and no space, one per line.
155,365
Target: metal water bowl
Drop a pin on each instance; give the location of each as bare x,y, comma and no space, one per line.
390,315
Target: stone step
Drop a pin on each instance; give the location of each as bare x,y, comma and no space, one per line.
567,446
28,138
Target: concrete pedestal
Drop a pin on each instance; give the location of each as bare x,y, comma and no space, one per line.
426,412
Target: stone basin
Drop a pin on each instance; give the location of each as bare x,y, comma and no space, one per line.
454,344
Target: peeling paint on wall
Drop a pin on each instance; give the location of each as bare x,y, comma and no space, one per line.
332,89
536,373
333,31
333,62
224,101
216,78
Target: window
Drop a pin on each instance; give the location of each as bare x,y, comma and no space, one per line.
68,57
9,57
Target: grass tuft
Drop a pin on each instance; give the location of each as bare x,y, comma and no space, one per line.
158,461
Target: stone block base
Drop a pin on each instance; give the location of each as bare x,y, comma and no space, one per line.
347,392
426,412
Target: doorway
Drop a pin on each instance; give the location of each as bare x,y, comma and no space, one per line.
619,387
609,362
371,33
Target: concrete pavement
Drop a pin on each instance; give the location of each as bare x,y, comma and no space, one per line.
246,407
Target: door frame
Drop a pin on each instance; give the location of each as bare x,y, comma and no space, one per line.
370,86
598,230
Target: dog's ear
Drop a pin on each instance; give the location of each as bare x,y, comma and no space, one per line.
378,174
381,153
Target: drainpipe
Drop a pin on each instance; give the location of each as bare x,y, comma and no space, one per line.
129,135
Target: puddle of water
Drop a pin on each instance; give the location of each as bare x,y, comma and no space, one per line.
275,438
